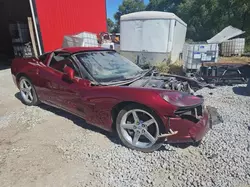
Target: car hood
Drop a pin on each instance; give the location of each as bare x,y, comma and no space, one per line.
169,82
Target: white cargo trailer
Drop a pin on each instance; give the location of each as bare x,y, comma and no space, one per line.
150,37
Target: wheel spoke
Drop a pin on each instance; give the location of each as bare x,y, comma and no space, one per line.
136,138
30,96
149,136
25,90
128,126
136,118
25,84
26,94
149,122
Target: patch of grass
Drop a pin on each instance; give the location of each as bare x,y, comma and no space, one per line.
162,67
175,68
234,59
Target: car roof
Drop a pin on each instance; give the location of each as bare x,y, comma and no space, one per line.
82,49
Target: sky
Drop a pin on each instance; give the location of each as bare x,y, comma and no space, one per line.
112,7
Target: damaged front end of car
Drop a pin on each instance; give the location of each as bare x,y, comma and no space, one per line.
190,122
170,82
151,78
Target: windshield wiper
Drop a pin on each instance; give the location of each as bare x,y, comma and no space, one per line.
152,74
126,81
151,70
139,73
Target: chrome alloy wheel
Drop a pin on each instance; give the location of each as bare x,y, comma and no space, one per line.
26,91
139,128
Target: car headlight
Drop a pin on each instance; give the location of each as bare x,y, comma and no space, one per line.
181,99
174,98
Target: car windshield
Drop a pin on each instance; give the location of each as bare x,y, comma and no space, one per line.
109,66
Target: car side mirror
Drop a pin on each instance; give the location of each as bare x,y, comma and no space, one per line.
69,73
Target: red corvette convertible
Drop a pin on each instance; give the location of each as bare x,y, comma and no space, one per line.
111,92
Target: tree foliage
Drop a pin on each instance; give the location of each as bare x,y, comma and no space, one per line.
163,5
111,25
128,6
204,18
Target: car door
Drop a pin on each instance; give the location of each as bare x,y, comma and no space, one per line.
46,76
57,91
67,93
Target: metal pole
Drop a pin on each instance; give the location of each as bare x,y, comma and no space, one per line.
35,26
32,36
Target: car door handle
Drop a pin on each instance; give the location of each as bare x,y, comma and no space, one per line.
36,71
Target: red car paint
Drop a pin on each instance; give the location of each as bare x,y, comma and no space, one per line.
96,104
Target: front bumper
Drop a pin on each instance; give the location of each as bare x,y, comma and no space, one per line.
188,131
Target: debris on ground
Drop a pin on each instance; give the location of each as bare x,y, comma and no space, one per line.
214,115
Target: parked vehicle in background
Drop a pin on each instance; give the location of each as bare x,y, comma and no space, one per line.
150,37
113,93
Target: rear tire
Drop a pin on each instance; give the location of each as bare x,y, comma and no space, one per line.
28,92
138,128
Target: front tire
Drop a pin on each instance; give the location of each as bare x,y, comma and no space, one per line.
139,128
28,92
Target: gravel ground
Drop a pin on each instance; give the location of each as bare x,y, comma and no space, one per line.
43,146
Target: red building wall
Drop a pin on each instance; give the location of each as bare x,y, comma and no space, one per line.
66,17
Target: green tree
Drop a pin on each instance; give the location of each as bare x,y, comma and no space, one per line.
163,5
127,6
205,18
111,25
199,18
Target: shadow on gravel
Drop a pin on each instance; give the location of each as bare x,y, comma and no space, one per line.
3,67
181,145
185,145
241,90
5,62
76,120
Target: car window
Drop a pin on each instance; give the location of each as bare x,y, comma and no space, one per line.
59,61
43,57
56,60
107,66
